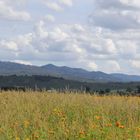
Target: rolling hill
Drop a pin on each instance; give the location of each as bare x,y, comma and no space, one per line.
77,74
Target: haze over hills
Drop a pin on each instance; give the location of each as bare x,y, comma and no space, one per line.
78,74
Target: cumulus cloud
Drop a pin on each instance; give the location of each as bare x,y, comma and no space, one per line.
133,3
118,4
66,2
39,30
75,45
135,64
127,49
58,5
8,45
15,2
53,6
92,66
49,18
116,14
110,66
110,44
22,62
8,12
59,44
115,20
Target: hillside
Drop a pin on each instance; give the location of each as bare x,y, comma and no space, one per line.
77,74
49,82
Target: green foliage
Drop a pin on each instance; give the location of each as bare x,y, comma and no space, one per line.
36,82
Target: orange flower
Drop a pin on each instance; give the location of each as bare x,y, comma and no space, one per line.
35,135
118,124
121,126
94,126
98,117
109,125
82,132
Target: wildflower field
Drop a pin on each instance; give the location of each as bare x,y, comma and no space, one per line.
52,116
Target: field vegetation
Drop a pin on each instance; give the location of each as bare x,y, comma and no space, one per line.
52,116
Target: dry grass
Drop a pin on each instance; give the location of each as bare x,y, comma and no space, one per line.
51,116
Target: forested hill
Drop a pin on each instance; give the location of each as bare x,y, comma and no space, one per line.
76,74
48,82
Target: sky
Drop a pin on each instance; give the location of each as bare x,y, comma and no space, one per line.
97,35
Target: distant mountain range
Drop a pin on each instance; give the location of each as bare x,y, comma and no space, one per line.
77,74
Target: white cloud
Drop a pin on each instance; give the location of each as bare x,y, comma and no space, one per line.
75,44
109,43
53,6
58,5
110,66
8,45
49,18
24,40
116,14
66,2
92,66
39,30
127,49
8,12
114,66
135,64
57,34
15,2
22,62
78,28
135,3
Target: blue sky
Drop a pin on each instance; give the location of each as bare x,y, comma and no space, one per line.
95,35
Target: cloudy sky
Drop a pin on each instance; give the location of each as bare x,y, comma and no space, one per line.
99,35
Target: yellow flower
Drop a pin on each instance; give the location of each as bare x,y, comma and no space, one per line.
1,130
51,132
26,124
55,110
67,131
17,138
137,128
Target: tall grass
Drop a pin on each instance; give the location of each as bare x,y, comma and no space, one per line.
52,116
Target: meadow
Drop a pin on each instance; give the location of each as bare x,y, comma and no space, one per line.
52,116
